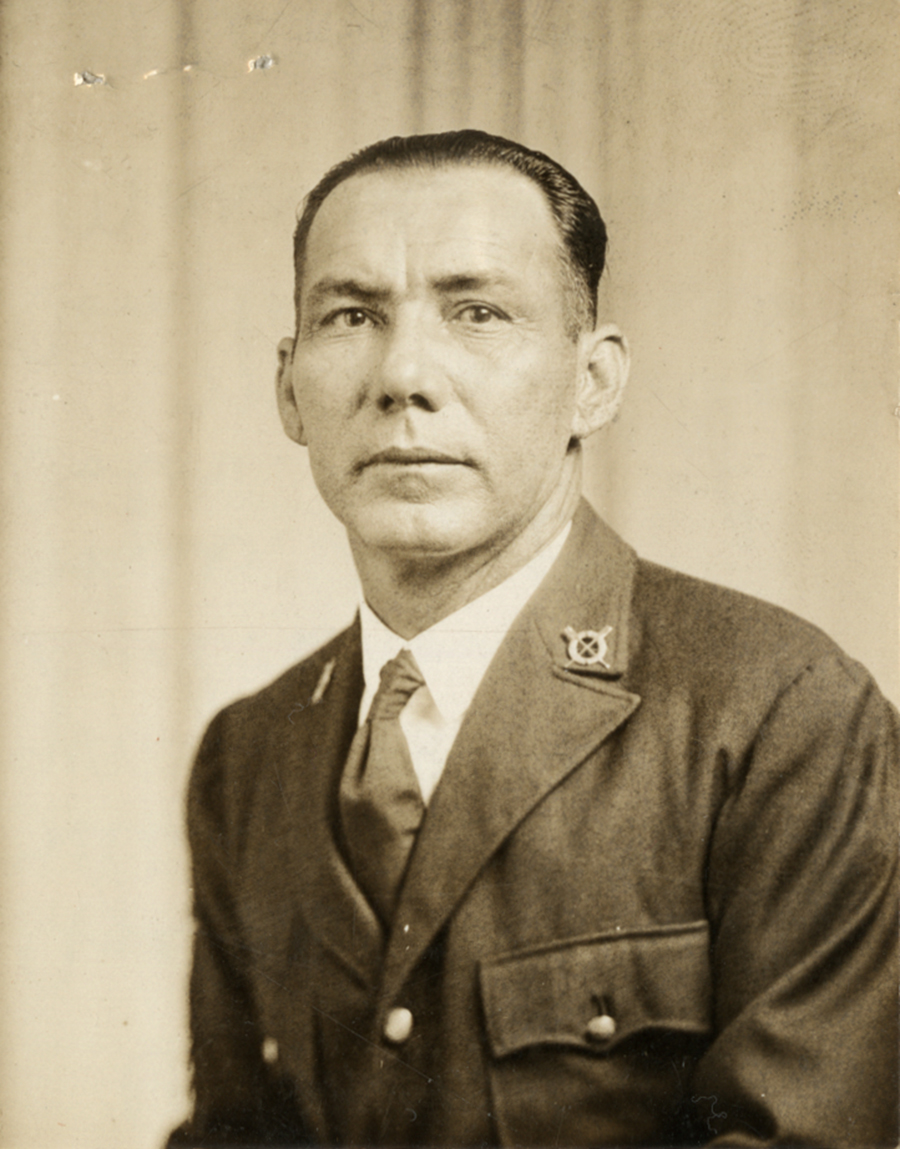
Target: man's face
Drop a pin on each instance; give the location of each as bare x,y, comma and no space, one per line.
433,378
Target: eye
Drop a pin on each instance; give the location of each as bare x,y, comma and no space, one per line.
343,318
479,314
350,317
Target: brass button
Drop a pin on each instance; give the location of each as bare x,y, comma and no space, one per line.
398,1025
601,1028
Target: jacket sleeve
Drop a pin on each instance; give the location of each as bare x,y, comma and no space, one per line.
238,1099
802,893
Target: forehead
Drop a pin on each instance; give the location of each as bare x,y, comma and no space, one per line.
434,221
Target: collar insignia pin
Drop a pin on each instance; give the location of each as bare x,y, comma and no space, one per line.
587,647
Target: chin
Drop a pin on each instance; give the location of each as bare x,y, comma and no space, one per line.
417,529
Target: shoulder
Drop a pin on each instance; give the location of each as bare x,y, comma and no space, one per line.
253,729
678,633
763,702
288,694
706,622
731,652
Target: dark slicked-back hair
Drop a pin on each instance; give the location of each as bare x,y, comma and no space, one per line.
581,229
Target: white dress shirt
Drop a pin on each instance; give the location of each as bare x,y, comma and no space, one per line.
453,656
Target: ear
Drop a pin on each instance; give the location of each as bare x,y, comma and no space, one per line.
604,362
287,398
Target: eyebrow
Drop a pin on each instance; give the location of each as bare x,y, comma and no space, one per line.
469,281
330,288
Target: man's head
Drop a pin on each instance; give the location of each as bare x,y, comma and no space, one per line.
435,375
582,233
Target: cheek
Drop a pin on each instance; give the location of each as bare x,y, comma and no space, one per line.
326,376
323,406
543,412
528,451
330,475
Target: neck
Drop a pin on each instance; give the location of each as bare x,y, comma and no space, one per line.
411,593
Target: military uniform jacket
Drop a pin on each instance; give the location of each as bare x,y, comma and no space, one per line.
694,840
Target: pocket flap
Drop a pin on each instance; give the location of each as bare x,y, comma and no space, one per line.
593,992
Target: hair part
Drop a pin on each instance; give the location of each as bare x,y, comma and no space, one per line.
582,232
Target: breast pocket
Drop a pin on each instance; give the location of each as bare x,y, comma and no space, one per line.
593,1040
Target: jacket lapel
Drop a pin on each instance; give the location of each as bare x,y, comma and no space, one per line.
535,718
334,906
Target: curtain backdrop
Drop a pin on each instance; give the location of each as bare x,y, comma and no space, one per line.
163,547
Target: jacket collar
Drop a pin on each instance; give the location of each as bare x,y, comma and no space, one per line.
334,905
589,589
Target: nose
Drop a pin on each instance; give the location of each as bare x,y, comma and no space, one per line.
409,372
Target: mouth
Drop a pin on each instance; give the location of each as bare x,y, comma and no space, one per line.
411,457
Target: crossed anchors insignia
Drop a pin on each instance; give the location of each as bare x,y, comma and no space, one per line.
587,647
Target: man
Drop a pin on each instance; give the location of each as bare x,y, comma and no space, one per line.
611,860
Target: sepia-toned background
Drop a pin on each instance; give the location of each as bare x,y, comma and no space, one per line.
163,548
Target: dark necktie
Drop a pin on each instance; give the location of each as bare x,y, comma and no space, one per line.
381,803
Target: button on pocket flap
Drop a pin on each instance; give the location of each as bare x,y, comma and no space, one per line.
590,993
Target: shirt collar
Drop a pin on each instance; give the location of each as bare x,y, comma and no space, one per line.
454,654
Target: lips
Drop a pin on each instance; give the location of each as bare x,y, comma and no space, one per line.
411,456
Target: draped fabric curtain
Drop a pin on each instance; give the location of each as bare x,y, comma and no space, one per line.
163,547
